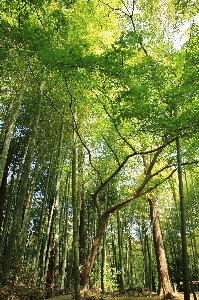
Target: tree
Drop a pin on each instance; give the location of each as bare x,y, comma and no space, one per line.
117,63
164,285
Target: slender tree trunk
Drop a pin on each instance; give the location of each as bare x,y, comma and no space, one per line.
10,127
15,230
81,195
40,233
3,186
76,211
48,244
164,285
193,229
57,214
149,251
82,238
27,210
185,262
70,256
65,234
120,246
103,264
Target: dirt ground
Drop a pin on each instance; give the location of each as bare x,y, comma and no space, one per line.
177,296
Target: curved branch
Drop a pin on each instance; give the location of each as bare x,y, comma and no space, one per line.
112,150
137,192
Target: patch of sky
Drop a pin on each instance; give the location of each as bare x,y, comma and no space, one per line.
182,35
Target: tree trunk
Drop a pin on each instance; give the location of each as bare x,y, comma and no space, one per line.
82,238
27,211
164,285
102,219
3,186
40,234
65,233
57,214
15,230
86,270
185,262
103,264
120,246
10,127
76,211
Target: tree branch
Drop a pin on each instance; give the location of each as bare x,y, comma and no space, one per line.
78,133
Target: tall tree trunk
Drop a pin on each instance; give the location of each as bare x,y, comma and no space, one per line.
82,238
76,211
164,285
57,213
103,264
41,229
81,195
120,246
3,186
27,210
65,233
149,251
48,247
15,230
86,270
10,126
185,262
192,230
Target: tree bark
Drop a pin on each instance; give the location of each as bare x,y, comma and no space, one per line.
164,285
11,125
76,212
86,270
15,229
3,190
120,246
185,262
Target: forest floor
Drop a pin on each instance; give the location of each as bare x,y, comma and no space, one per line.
99,296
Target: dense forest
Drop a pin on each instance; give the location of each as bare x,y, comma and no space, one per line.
99,131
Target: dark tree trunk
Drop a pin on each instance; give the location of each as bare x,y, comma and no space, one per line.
82,240
50,272
3,190
164,285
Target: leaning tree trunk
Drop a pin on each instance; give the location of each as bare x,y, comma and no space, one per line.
86,270
164,285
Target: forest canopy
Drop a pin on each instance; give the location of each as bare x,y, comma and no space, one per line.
99,136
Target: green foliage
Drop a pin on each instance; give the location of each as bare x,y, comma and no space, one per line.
121,99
